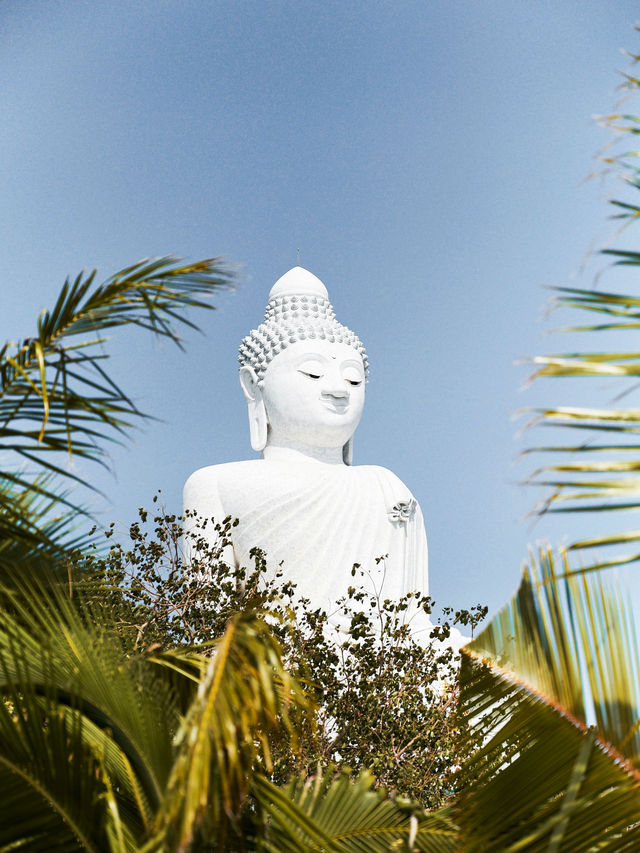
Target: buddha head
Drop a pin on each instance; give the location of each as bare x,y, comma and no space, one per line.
302,372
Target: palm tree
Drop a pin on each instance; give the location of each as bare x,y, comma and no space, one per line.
598,472
57,398
96,751
550,691
166,750
550,700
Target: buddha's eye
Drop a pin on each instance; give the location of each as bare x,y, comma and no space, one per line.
352,375
310,375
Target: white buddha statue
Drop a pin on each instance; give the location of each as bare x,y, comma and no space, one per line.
303,503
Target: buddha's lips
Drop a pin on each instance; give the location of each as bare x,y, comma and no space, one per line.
337,406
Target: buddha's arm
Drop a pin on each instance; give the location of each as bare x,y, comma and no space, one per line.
421,555
201,495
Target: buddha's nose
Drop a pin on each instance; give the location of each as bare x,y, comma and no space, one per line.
336,387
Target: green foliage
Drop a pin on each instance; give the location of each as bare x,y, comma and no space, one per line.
57,399
537,777
107,745
386,696
95,750
571,638
550,690
331,813
599,470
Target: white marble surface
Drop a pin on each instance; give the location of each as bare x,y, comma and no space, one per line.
313,513
317,519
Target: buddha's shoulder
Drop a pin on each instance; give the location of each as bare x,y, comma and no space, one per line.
382,474
391,486
218,478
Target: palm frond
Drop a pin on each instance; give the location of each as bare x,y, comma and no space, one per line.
37,524
62,385
54,791
538,779
56,396
245,698
612,483
117,716
72,704
333,813
572,638
561,654
581,483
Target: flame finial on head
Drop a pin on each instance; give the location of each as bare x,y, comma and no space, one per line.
298,310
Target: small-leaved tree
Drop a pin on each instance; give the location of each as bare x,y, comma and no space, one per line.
386,694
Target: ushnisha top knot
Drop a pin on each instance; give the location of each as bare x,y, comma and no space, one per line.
298,310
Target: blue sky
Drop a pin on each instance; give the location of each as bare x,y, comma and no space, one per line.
428,160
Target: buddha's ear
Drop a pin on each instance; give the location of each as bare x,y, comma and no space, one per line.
257,412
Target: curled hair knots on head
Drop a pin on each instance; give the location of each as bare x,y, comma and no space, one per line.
262,345
295,313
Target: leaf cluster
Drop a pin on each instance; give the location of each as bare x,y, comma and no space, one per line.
382,676
58,400
593,455
96,751
549,709
110,744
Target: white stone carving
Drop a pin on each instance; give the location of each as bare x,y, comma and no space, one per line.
303,375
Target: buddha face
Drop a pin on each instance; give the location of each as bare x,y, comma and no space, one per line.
313,393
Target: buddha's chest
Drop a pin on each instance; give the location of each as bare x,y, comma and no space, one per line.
316,524
306,492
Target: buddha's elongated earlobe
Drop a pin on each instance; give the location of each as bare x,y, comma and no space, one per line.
258,425
347,452
257,413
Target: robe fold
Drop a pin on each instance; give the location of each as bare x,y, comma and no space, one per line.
315,521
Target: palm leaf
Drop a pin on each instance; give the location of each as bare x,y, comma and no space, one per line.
73,704
115,718
53,788
572,638
36,523
538,779
611,483
561,653
56,396
245,698
61,386
336,814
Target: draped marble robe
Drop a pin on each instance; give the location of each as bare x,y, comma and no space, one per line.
315,520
